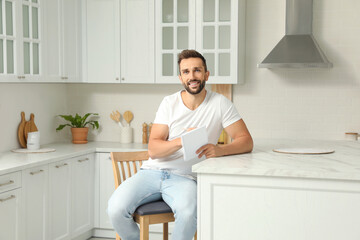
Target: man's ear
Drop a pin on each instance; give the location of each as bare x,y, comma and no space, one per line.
207,74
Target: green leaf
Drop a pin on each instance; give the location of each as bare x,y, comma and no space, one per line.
60,127
78,121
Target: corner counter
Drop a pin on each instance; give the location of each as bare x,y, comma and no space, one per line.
11,162
269,195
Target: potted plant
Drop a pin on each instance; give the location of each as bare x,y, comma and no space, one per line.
78,126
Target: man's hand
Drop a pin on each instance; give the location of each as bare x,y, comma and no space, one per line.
210,150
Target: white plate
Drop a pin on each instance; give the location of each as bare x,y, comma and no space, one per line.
304,150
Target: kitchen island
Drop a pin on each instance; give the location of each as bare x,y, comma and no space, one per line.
265,195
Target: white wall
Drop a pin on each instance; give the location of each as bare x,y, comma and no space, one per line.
44,100
320,103
317,103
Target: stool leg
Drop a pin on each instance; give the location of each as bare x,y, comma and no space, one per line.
118,237
144,228
195,237
165,231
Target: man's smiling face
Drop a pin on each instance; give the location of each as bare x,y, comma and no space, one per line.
193,75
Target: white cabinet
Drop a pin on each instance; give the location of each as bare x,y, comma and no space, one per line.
10,200
106,188
118,50
21,41
137,41
101,30
82,191
59,200
35,199
10,215
217,31
175,31
265,207
63,39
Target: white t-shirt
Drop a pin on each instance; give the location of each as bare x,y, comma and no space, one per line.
215,113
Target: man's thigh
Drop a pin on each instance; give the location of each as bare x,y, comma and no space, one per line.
180,192
141,188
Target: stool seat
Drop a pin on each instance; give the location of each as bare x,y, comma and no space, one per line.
156,207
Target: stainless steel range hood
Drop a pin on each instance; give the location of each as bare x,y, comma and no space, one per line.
298,48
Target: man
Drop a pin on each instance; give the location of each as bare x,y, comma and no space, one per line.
166,175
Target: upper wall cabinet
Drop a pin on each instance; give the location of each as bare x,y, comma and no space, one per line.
63,39
118,49
217,31
21,41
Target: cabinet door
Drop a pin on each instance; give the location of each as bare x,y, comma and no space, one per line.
35,193
137,41
175,31
106,188
59,200
102,41
53,40
9,70
82,194
31,40
71,36
218,38
10,215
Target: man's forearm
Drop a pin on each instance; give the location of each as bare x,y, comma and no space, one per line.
161,148
239,145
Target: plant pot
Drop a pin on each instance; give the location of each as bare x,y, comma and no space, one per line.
79,135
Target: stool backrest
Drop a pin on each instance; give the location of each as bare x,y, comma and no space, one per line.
132,160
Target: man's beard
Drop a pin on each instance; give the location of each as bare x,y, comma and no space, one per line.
198,90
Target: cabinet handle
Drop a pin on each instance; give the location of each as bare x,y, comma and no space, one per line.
5,199
83,160
21,77
8,183
59,166
117,79
33,173
122,79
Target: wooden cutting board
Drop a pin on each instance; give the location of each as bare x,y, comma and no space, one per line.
30,126
21,136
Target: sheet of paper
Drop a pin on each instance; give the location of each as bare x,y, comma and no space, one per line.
192,141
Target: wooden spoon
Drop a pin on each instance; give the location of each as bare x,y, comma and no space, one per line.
21,136
128,116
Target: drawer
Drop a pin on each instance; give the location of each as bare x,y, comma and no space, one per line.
10,181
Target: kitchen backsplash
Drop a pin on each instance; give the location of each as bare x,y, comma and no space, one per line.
282,103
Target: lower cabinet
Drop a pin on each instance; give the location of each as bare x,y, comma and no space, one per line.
58,199
10,214
82,199
35,202
107,187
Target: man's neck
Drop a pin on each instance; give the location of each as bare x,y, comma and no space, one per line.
193,101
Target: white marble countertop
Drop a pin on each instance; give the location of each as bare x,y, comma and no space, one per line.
343,164
11,162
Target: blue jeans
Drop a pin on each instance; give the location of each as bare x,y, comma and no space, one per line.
150,185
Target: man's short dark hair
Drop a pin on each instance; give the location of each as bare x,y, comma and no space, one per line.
185,54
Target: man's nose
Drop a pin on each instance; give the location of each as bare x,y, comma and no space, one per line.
191,75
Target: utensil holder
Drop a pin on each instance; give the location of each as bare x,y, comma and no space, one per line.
126,135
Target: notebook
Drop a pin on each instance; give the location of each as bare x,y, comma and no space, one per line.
192,141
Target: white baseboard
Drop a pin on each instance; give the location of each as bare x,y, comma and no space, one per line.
84,236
